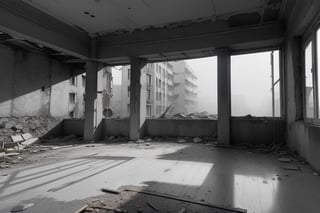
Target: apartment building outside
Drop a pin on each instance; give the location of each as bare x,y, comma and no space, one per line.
185,88
75,88
164,88
157,81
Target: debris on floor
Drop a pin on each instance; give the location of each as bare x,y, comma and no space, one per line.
285,160
183,210
292,168
136,199
35,126
197,140
112,191
98,205
182,141
22,207
139,141
116,139
17,152
152,206
192,116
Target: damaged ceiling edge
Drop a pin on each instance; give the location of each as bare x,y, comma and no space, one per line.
173,25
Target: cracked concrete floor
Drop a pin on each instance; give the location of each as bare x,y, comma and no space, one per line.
63,180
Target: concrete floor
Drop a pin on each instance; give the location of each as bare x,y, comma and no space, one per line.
64,179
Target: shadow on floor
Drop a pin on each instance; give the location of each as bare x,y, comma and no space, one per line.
57,176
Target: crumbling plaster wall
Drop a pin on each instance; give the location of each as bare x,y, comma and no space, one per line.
33,84
301,136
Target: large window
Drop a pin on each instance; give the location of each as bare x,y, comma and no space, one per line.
256,85
309,98
312,77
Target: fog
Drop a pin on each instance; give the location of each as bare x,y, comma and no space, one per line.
250,83
206,71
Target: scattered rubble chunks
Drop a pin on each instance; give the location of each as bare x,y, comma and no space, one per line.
22,207
182,141
36,126
197,140
4,166
192,116
30,141
17,138
99,205
152,206
112,191
183,210
116,139
292,168
12,154
285,160
26,136
139,141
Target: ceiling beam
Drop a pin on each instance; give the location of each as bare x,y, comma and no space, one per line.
185,38
299,16
25,22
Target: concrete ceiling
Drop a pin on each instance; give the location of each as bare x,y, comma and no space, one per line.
106,16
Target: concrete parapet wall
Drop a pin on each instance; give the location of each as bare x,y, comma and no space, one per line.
180,128
256,131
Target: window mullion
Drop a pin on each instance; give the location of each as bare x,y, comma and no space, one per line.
314,75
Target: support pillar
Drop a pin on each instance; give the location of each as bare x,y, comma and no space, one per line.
224,97
90,123
137,100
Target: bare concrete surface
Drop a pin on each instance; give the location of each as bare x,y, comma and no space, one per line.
64,180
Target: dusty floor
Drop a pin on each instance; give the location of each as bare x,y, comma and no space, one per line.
64,180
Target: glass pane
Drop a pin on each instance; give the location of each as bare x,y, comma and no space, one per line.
309,82
251,84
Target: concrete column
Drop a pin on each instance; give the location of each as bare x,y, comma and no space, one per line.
224,99
137,99
90,100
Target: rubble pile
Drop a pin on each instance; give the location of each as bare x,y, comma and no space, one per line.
36,126
116,139
194,116
22,145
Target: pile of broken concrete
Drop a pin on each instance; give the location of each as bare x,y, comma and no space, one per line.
36,126
194,116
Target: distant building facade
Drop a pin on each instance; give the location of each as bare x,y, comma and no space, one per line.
163,89
75,88
185,88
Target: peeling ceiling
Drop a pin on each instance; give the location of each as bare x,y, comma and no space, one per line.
107,16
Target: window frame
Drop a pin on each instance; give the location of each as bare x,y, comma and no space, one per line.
311,36
281,78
